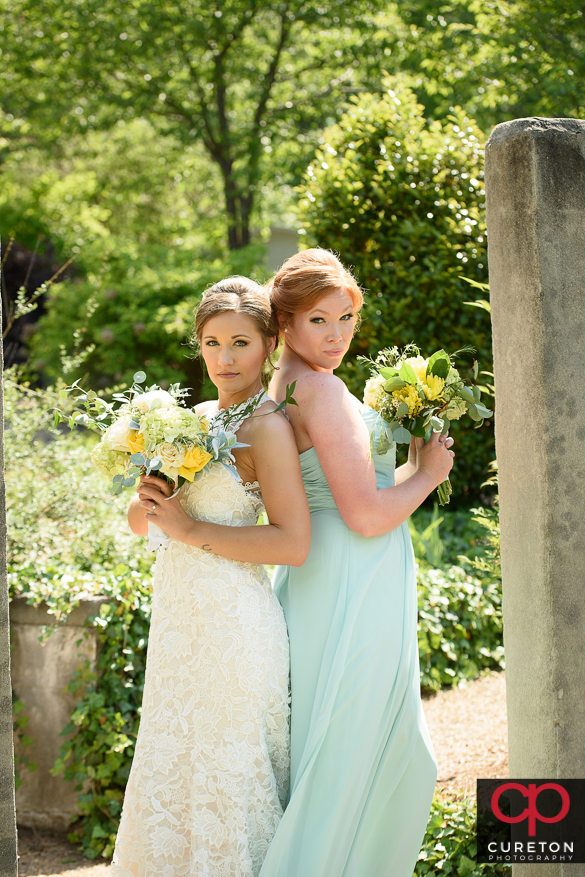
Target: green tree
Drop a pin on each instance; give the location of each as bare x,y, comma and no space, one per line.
401,199
242,76
501,59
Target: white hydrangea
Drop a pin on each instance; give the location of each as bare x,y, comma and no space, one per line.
107,461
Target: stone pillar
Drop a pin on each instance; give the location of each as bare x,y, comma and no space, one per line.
8,860
41,671
535,188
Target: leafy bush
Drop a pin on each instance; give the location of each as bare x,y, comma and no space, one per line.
459,533
64,529
450,843
401,199
460,626
104,723
134,310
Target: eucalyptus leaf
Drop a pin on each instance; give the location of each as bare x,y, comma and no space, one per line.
476,393
437,423
117,478
129,482
117,488
401,436
467,394
402,410
155,463
473,412
133,425
139,377
138,459
483,411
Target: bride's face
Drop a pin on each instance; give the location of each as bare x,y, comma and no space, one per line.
234,351
322,335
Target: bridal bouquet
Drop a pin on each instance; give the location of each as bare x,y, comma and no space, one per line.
149,431
416,396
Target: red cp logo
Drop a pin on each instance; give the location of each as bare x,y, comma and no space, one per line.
531,812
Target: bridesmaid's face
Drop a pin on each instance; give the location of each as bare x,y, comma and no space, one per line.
322,335
234,351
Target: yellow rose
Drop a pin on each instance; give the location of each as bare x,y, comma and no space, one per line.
136,442
195,459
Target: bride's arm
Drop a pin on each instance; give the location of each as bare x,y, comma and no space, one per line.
333,422
285,540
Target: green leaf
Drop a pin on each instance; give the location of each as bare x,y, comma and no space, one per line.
467,394
401,436
402,410
418,428
394,384
473,412
466,867
439,364
138,459
389,372
139,377
407,373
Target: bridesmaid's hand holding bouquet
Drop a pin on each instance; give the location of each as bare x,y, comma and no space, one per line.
416,396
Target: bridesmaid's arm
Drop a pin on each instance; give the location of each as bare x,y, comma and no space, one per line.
285,540
332,420
137,517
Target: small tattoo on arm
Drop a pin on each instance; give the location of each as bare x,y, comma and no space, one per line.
206,547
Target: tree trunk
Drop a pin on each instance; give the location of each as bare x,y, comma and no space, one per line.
8,860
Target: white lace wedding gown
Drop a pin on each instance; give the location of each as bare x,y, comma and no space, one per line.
210,773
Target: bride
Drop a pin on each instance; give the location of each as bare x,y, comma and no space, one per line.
210,773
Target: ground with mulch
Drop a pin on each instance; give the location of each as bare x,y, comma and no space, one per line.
469,733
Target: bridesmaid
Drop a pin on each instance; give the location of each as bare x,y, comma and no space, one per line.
362,765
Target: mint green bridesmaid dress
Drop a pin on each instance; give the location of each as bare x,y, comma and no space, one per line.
363,769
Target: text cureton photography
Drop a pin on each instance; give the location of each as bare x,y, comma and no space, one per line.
530,821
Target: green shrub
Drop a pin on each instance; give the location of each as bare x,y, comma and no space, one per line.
459,533
104,723
450,843
401,198
133,311
62,522
459,628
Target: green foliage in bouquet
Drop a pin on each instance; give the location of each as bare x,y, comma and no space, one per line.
460,631
401,199
450,842
416,397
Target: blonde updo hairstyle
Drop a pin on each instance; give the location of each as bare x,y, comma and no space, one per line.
239,295
306,278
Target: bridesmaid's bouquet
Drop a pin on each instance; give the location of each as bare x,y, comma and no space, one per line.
416,396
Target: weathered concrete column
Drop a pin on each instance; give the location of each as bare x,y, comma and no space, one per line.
535,186
41,673
8,860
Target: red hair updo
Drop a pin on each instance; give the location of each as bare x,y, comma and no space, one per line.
306,278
